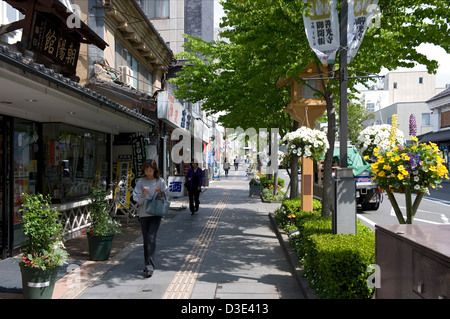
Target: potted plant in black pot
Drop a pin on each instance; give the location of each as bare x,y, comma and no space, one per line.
43,252
103,227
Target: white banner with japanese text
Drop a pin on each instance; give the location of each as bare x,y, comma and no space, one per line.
360,15
322,29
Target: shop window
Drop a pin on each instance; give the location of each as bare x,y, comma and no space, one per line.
156,8
75,161
139,77
445,119
25,161
426,119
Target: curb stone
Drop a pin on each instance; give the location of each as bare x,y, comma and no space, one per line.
297,268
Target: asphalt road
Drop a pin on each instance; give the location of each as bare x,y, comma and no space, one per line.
434,208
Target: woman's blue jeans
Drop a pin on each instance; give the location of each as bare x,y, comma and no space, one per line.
149,227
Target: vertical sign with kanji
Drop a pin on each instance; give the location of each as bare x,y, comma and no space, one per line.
322,29
123,179
139,152
360,13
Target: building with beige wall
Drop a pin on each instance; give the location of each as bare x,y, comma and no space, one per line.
402,93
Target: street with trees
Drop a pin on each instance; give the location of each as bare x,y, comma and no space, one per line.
263,40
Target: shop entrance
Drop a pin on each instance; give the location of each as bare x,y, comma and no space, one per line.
5,184
19,150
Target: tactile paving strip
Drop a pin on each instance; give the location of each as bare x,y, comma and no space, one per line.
183,283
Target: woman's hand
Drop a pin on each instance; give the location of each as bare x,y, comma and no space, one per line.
158,190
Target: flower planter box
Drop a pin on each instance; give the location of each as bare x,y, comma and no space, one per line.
254,190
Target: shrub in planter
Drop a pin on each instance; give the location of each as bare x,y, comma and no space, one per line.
266,183
290,211
267,194
43,251
103,227
336,265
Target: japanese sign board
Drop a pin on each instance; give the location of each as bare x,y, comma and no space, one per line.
139,145
173,111
360,12
176,186
123,179
54,43
322,29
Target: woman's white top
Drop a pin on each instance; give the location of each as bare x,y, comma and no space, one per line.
151,184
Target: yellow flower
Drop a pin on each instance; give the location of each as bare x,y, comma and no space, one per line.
400,176
393,133
376,150
382,174
415,139
386,167
389,154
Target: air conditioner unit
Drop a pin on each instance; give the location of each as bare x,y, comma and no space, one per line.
126,75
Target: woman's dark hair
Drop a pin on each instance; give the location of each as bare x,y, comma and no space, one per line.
152,164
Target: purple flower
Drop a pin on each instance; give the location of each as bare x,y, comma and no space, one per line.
412,125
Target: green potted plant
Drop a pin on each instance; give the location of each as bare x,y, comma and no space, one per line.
43,251
103,228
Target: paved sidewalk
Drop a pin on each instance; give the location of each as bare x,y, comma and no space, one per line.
227,250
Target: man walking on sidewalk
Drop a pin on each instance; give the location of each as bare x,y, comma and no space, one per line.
194,180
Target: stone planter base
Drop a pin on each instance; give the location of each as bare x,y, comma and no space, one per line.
254,190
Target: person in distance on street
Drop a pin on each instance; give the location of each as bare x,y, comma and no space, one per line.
193,182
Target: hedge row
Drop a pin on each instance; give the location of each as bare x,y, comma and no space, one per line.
334,265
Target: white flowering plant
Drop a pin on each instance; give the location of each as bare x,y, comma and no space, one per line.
305,142
377,136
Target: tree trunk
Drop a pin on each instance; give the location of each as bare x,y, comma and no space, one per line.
294,172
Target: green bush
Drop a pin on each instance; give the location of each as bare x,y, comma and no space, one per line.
268,194
290,211
334,265
266,183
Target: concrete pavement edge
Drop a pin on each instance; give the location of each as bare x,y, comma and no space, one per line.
291,256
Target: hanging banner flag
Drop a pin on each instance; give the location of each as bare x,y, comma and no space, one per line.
360,15
322,29
138,142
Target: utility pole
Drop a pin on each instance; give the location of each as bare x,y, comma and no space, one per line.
344,216
343,118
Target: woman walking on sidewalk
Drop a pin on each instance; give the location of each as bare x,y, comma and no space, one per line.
145,189
194,180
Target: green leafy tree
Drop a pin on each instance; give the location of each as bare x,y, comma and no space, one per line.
266,40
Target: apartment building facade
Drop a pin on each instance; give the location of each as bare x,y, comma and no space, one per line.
173,19
402,93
